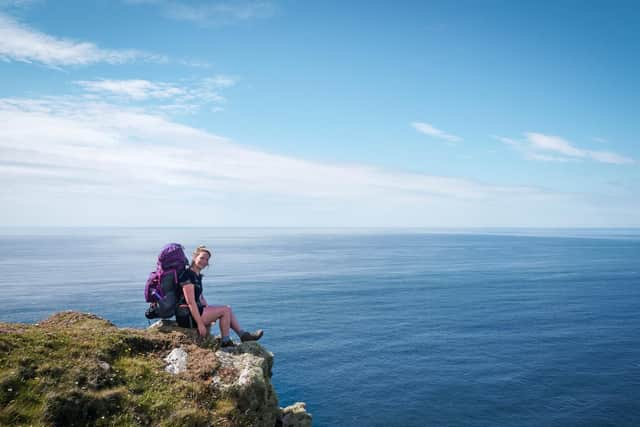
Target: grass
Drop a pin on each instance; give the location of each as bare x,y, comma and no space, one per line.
76,369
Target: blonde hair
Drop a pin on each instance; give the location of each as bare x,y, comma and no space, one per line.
198,251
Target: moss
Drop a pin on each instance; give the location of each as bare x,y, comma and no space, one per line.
189,417
226,408
22,403
9,386
152,391
82,408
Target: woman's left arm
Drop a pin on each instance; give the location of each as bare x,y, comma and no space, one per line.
203,301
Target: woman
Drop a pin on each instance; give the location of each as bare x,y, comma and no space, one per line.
199,313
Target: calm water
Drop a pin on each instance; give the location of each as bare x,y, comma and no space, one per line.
382,328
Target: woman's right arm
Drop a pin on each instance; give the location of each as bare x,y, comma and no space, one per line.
190,297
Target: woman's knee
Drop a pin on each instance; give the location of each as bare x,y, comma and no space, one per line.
217,311
226,311
209,315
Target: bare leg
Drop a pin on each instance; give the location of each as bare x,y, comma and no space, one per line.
213,312
244,335
235,325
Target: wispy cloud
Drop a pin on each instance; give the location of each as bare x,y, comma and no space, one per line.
553,143
212,13
134,89
17,4
220,81
185,96
19,42
70,133
72,145
538,146
559,145
508,141
546,158
609,157
430,130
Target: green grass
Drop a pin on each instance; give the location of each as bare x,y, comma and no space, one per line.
78,370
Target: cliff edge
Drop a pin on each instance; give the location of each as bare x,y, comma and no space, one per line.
77,369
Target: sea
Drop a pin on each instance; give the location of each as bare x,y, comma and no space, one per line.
385,327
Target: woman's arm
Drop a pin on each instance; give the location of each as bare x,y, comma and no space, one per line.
190,298
203,301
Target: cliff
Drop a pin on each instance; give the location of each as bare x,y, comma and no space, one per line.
76,369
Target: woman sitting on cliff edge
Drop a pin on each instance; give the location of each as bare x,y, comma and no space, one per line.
200,314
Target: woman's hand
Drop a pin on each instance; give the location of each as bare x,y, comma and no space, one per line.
190,297
202,330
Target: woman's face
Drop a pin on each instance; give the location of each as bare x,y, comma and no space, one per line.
201,260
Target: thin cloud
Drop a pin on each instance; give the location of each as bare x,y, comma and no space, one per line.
133,151
508,141
212,13
19,42
559,145
553,143
220,81
546,158
608,157
17,4
551,148
430,130
188,96
134,89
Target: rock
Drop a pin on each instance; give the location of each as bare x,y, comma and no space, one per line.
177,361
240,374
163,324
244,375
255,349
296,416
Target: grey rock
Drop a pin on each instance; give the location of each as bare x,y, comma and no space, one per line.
244,375
296,416
176,361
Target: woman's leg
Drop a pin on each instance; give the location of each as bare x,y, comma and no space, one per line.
213,312
244,335
235,325
222,311
228,320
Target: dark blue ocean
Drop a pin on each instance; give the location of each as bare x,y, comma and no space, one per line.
384,327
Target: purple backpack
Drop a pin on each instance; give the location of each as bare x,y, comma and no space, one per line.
161,289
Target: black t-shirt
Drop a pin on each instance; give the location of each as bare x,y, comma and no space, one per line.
191,277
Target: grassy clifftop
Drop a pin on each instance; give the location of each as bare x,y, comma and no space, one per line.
77,369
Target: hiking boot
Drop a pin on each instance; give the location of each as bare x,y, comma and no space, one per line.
252,336
152,312
228,343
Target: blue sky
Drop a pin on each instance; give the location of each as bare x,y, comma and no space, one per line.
297,113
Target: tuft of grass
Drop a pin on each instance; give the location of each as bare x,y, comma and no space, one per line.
82,408
226,408
188,417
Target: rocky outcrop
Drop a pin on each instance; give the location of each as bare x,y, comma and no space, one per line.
295,416
76,369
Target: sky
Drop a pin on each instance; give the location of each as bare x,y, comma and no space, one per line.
320,113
